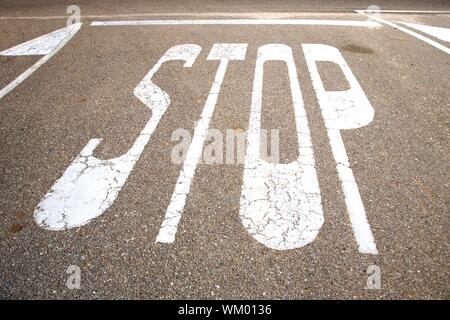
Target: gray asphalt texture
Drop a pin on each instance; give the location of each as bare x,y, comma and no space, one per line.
85,91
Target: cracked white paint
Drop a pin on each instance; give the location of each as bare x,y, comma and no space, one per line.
223,52
347,109
280,204
89,186
41,45
437,32
47,45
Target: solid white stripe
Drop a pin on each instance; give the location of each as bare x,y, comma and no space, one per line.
440,33
404,11
347,23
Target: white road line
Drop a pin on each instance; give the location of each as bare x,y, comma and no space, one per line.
280,203
411,33
256,15
161,14
39,46
223,52
407,11
48,44
90,185
310,22
437,32
341,110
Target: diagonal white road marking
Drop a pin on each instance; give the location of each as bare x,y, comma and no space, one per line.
410,32
437,32
48,44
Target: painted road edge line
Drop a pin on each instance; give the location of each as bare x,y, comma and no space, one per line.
214,15
311,22
411,33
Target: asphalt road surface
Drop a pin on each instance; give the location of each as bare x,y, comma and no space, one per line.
91,114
